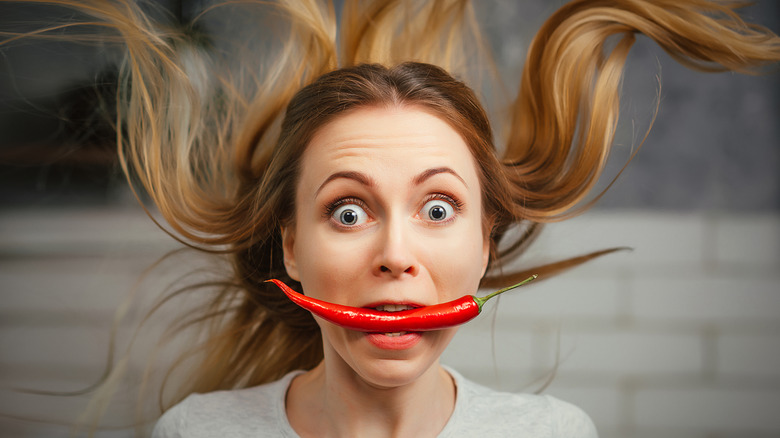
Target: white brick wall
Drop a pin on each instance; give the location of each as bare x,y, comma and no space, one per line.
678,338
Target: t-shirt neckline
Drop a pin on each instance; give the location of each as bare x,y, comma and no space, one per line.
286,429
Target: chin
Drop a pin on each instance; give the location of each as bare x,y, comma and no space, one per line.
392,373
393,368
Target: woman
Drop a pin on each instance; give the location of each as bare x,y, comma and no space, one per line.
393,208
377,184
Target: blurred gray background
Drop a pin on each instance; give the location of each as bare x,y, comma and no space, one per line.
714,146
678,338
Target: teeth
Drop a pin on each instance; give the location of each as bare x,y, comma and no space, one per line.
393,307
392,335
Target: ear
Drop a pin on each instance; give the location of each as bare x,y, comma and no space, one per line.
288,246
485,254
487,238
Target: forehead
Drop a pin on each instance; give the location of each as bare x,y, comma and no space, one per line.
407,138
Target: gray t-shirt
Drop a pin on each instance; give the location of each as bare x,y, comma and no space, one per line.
479,411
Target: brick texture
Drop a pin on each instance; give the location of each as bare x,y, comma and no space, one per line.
678,338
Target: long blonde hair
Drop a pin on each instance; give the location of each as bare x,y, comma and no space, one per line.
212,148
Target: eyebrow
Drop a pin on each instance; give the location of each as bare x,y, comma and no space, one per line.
368,181
357,176
419,179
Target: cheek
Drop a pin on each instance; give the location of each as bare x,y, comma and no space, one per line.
328,264
456,262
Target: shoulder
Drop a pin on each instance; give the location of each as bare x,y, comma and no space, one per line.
234,413
569,420
484,411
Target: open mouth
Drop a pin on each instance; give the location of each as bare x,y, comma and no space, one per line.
396,334
393,307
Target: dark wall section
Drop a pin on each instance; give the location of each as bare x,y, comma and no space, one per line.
715,145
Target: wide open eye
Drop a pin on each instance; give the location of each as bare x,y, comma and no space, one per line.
349,215
437,210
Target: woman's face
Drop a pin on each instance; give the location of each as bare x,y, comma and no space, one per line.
388,212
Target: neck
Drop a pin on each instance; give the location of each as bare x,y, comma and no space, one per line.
332,401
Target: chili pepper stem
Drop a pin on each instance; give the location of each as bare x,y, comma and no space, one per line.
482,300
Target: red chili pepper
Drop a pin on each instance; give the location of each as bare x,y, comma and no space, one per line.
436,317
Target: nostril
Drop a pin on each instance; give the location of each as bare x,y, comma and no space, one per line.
409,270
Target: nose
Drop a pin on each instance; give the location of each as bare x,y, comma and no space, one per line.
396,255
